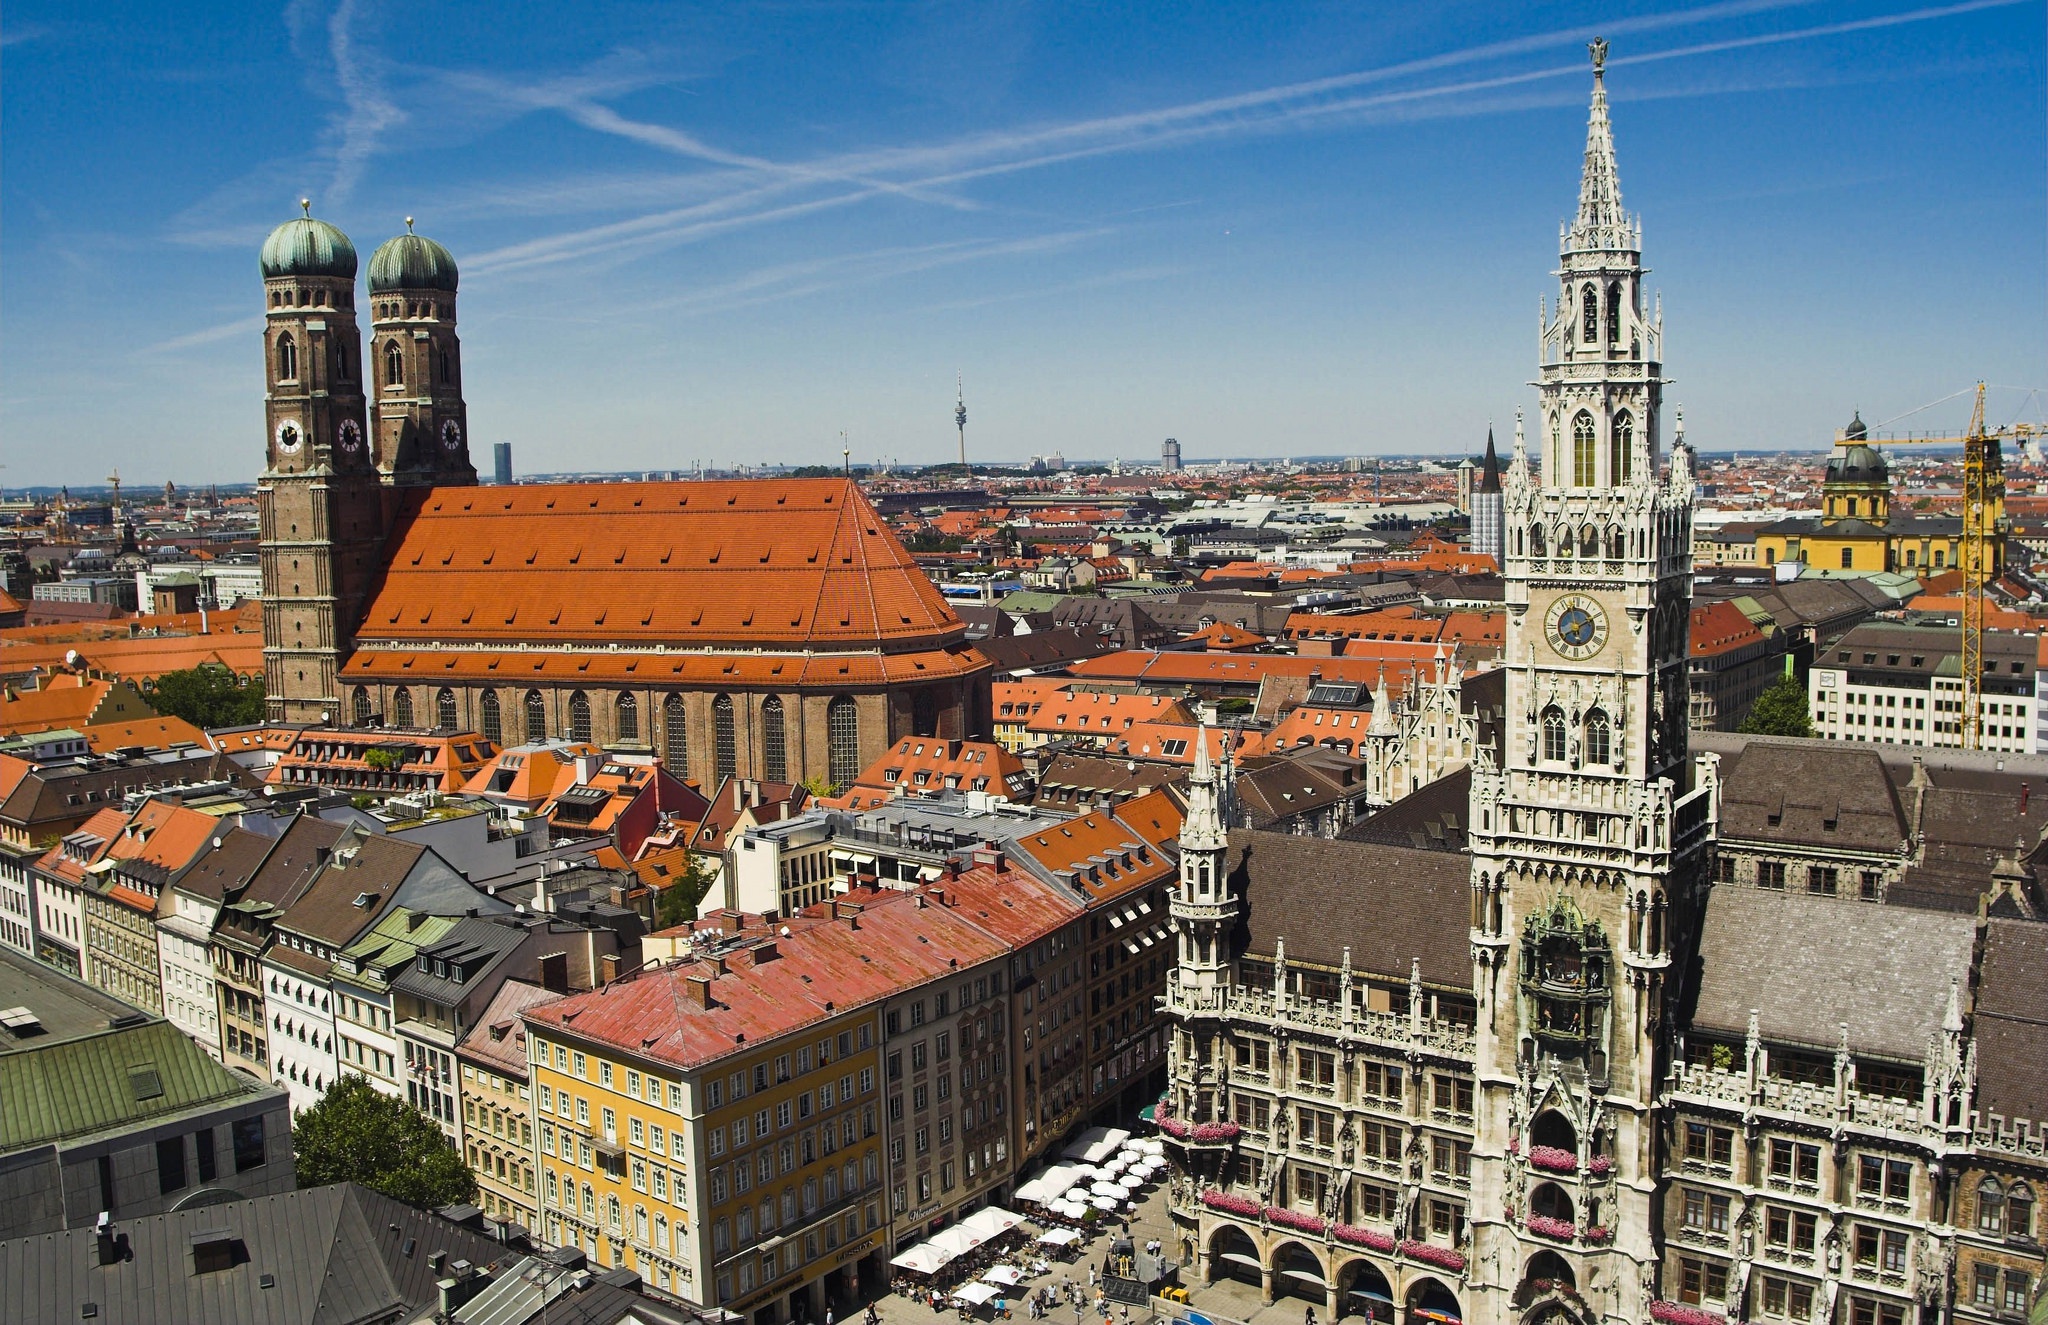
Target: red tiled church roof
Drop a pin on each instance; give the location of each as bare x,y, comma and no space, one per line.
804,563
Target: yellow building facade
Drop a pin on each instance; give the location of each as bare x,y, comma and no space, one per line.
745,1182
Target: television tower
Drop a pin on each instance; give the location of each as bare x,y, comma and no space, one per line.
960,422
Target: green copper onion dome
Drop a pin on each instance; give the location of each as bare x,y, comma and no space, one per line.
306,247
411,262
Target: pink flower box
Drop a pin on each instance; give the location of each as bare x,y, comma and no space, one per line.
1545,1226
1598,1235
1678,1313
1600,1166
1553,1160
1294,1219
1174,1128
1230,1204
1364,1237
1214,1132
1428,1254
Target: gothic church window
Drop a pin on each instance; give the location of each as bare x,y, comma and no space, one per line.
1622,446
494,719
724,740
1536,541
360,702
401,707
1553,733
1582,451
444,708
628,725
842,742
774,742
394,364
287,358
536,716
1599,738
675,734
1589,316
1613,311
579,717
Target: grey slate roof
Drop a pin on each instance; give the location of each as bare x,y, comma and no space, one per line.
1809,964
1431,818
2012,1022
337,1254
1390,905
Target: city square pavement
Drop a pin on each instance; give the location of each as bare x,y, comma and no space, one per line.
1226,1301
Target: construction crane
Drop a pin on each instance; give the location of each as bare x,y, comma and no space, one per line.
1984,529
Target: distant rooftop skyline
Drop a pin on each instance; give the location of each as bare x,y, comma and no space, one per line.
728,234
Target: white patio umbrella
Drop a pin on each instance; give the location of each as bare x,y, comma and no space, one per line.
1131,1181
1109,1203
1009,1276
1106,1189
1152,1145
1079,1194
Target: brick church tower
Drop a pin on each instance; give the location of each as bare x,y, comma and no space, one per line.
321,511
422,426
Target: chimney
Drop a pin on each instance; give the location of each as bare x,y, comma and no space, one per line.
699,991
554,972
608,967
765,953
586,768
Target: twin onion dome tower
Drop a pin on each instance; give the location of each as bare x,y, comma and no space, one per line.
350,431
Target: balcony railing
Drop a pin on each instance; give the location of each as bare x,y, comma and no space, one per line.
1321,1017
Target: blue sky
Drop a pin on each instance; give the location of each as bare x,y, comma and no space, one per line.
727,233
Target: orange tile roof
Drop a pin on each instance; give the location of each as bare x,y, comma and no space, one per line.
1167,742
1362,662
917,764
800,562
143,659
151,733
1720,626
1222,637
1103,713
67,700
430,667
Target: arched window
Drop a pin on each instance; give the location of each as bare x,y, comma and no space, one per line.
444,708
1553,734
1536,543
675,737
924,713
1599,738
1622,447
1589,542
494,721
447,378
536,717
1613,311
725,756
774,742
1589,316
628,718
394,364
401,707
344,371
2019,1211
842,742
360,704
1990,1206
1582,451
287,358
579,717
611,1212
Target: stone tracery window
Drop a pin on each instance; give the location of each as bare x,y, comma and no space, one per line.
1589,315
774,741
493,719
1583,474
444,708
724,739
675,735
842,738
360,706
579,717
628,717
394,364
536,717
1553,734
1621,447
1599,738
401,707
287,358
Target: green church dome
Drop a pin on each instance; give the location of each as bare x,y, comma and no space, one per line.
411,262
304,246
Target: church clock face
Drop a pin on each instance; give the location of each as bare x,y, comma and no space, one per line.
289,436
451,435
1577,627
349,436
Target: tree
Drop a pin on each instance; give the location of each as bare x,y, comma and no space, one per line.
1779,711
358,1134
677,903
209,695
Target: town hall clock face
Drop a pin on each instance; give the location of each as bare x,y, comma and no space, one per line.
451,435
350,435
288,436
1577,627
